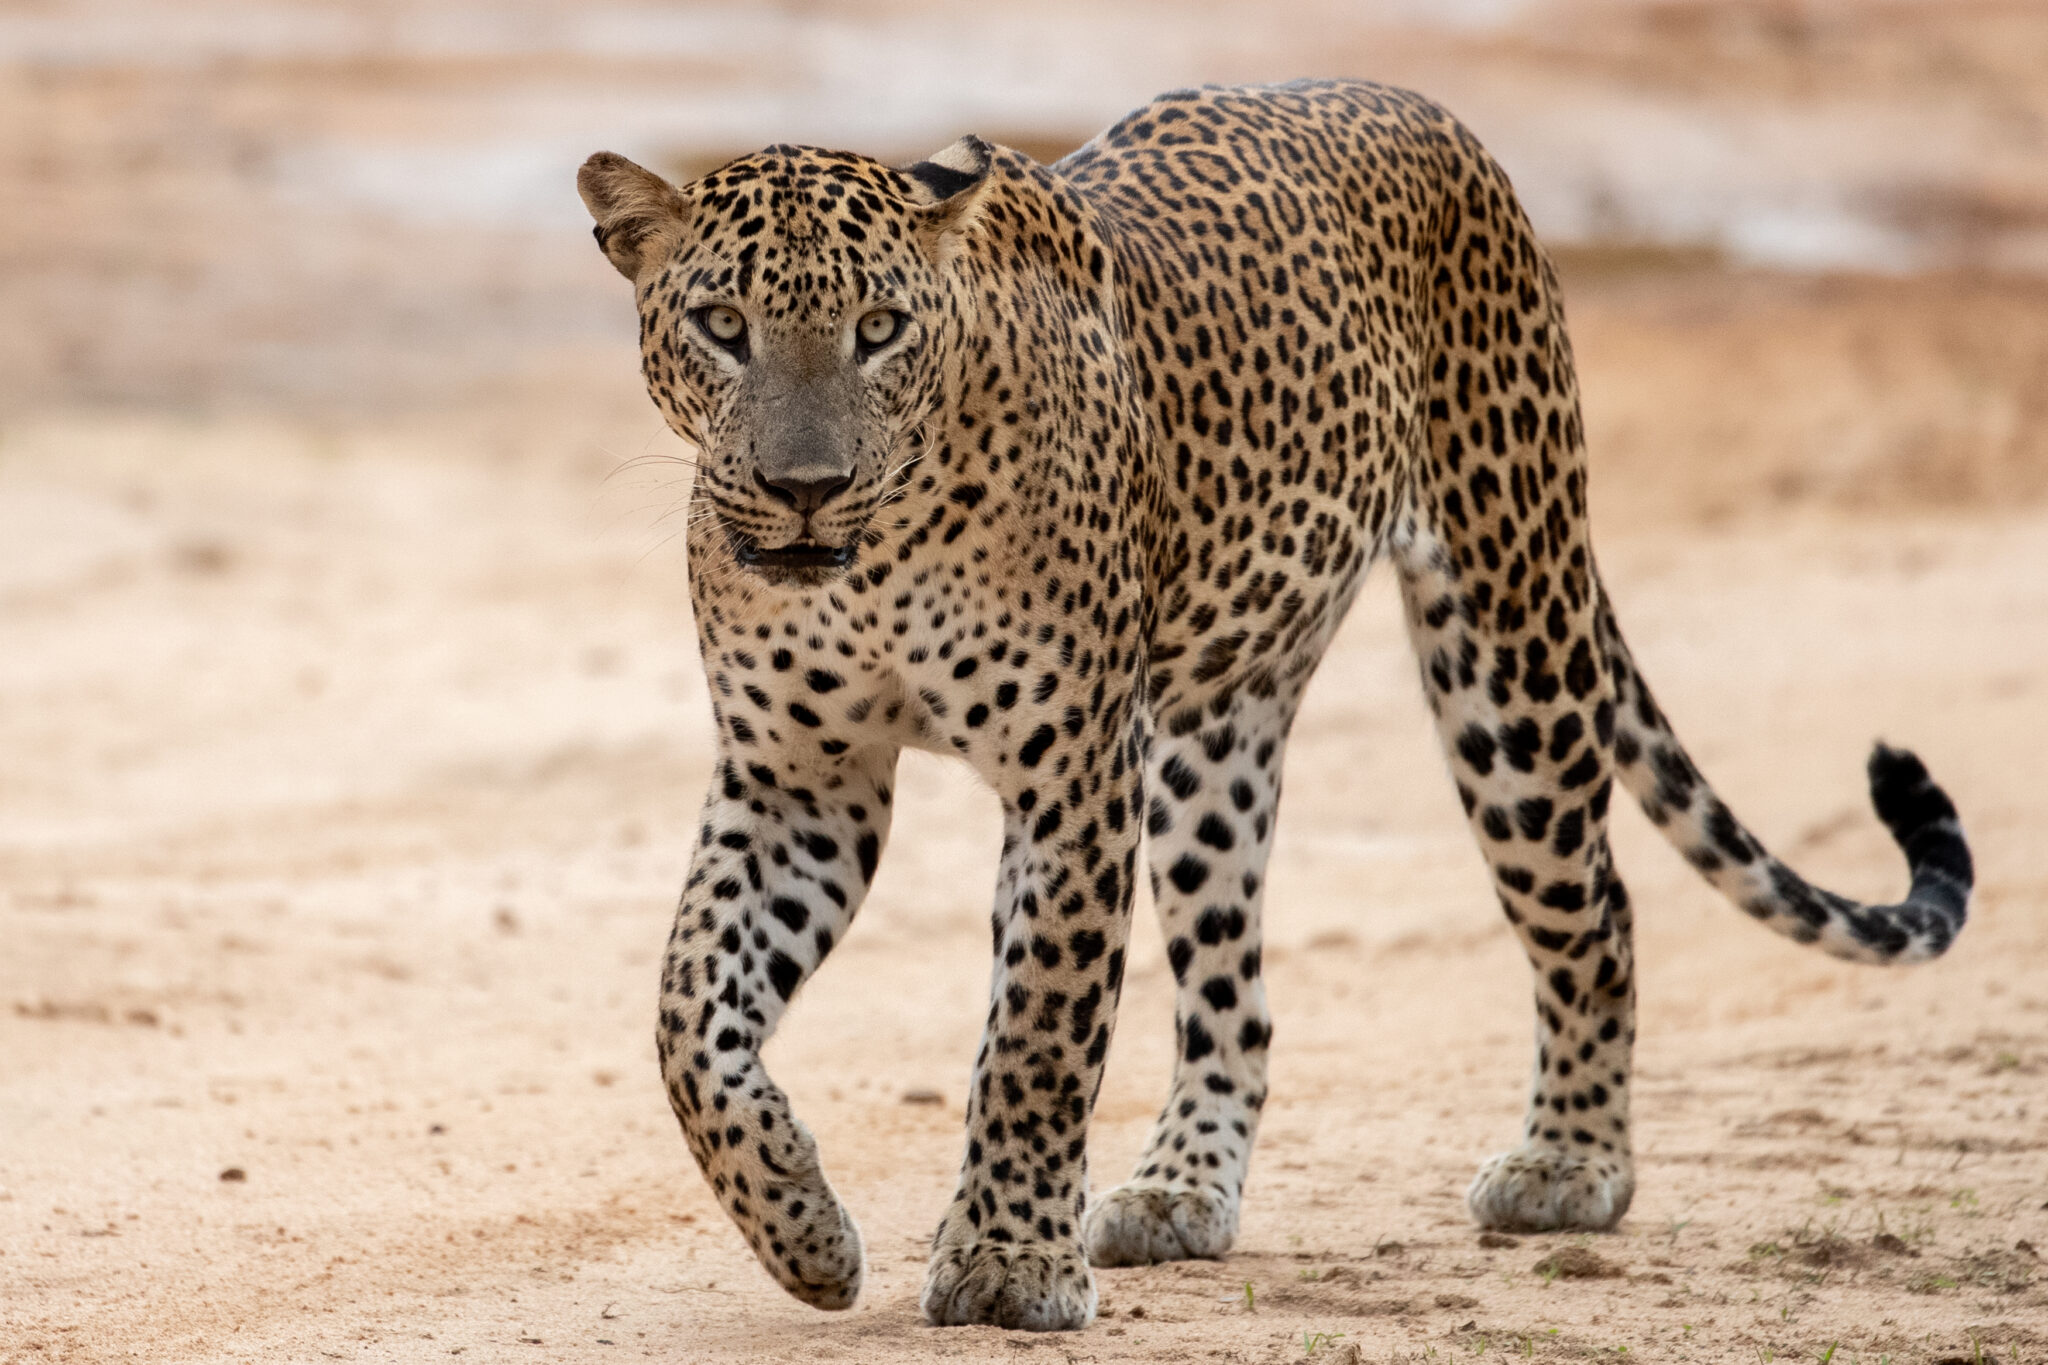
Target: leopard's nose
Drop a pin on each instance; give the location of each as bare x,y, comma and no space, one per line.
804,492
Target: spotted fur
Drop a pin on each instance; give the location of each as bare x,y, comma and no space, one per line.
1087,520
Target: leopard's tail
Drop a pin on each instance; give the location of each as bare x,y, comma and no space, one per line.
1657,770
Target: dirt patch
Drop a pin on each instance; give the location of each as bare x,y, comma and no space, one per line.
1576,1263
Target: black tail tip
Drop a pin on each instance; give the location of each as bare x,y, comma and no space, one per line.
1918,813
1895,773
1905,796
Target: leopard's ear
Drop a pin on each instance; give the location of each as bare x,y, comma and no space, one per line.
640,216
952,183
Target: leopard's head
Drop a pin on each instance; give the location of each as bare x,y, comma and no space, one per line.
794,305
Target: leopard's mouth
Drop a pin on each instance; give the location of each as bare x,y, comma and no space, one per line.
799,563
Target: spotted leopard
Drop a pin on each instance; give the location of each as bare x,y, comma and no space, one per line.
1071,471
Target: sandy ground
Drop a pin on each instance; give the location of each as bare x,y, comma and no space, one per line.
350,769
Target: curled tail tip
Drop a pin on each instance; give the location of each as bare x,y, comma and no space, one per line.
1895,775
1907,798
1924,822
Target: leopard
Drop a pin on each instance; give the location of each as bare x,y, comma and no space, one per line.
1070,472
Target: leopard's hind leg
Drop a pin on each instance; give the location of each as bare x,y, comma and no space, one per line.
1496,566
1213,792
1527,722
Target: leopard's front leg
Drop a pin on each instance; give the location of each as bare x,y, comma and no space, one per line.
782,862
1008,1250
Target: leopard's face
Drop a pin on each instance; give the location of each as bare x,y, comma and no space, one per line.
793,307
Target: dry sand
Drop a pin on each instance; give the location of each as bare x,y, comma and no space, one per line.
350,769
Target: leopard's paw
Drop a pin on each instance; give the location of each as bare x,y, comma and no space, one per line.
1541,1189
1146,1224
1028,1286
796,1225
823,1266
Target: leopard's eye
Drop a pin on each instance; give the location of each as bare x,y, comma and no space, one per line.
725,325
879,328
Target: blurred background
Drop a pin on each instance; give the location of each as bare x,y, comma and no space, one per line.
351,728
292,202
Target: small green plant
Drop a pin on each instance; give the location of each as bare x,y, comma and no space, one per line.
1250,1302
1309,1272
1915,1226
1829,1354
1965,1201
1311,1342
